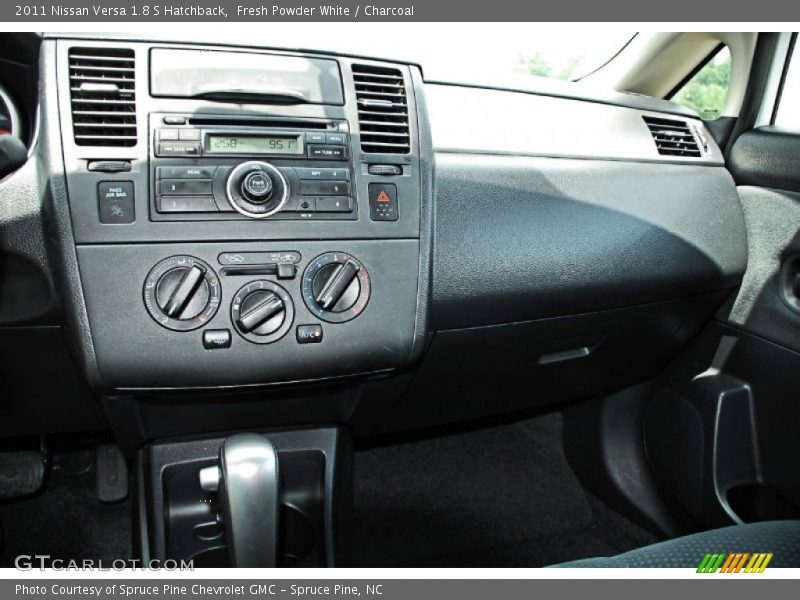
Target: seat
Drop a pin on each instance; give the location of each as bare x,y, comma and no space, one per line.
782,538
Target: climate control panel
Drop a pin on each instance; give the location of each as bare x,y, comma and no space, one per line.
182,293
214,314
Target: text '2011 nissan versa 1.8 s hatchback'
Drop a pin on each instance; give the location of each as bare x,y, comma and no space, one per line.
382,305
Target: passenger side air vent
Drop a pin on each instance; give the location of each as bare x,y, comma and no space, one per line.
382,110
103,93
672,138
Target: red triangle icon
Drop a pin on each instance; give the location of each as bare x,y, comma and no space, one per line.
383,197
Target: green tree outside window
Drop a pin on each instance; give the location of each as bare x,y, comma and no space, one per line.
707,91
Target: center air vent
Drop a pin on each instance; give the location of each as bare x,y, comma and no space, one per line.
672,138
103,93
382,110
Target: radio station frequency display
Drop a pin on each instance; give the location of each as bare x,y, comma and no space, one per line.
252,144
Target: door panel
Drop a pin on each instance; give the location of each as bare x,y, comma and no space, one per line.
722,430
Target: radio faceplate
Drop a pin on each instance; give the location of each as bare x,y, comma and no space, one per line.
207,167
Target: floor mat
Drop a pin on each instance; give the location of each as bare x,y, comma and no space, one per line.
498,497
66,521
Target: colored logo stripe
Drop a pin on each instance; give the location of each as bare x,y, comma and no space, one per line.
710,563
734,562
758,563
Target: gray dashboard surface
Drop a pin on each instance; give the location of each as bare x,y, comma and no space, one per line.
526,238
503,122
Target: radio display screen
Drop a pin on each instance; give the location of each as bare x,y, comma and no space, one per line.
251,144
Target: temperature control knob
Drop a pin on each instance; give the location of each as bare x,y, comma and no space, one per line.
336,287
262,312
182,293
256,189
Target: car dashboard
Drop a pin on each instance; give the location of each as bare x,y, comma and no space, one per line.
327,247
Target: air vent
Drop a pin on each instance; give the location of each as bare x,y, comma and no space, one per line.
103,93
672,138
382,110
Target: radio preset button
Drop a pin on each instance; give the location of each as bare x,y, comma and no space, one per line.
324,188
323,173
191,204
186,172
328,152
184,187
334,204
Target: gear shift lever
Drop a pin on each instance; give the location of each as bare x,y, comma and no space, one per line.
247,479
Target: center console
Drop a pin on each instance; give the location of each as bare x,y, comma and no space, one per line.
236,225
243,218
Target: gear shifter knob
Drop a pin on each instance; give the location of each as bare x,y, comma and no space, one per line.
248,480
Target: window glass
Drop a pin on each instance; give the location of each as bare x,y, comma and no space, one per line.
513,56
707,91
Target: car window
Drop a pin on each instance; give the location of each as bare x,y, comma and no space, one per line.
707,90
787,115
511,57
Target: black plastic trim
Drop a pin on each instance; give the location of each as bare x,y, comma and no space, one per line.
766,157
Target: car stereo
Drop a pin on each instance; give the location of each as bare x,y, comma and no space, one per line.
247,167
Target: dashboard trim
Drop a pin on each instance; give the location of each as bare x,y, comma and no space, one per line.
530,125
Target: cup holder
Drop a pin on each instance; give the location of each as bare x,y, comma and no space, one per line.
297,538
213,558
755,502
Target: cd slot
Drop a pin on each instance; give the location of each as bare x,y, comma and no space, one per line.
260,122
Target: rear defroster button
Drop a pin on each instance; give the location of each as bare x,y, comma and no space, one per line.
214,339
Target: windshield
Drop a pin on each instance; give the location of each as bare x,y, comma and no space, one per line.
482,54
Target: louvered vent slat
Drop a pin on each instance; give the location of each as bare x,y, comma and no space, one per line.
672,138
382,110
103,94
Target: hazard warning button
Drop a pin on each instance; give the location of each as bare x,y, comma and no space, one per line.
383,202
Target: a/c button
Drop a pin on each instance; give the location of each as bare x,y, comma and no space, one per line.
309,334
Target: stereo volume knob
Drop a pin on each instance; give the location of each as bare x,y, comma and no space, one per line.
257,186
262,312
256,189
182,293
336,287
